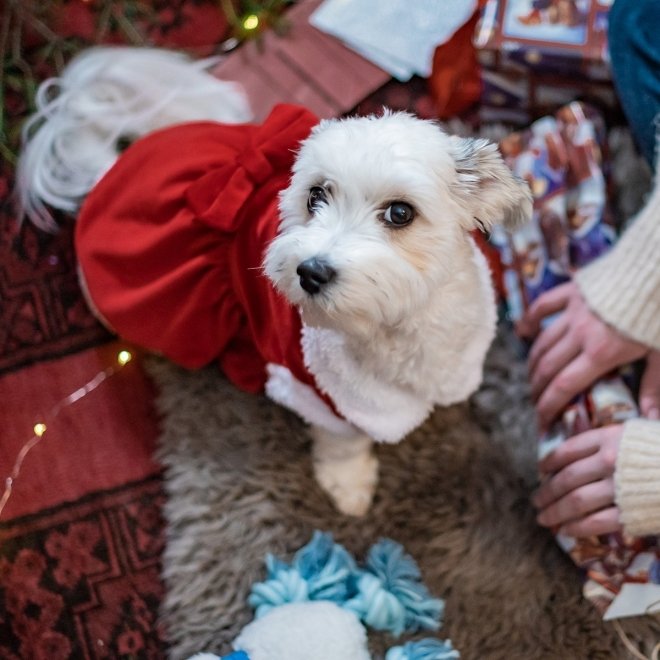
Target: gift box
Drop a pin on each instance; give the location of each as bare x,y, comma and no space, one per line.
537,55
562,159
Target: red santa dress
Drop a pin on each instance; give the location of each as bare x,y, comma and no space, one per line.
171,240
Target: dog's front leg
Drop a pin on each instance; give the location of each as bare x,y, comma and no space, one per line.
346,469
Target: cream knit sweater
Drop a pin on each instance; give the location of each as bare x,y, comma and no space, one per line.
623,288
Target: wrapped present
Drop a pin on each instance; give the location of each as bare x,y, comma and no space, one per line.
561,157
537,55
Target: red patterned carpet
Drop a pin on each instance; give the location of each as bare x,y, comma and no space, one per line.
81,534
81,580
42,313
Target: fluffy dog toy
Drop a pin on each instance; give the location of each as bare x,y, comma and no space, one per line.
313,608
330,263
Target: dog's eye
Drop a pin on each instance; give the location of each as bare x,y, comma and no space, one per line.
316,198
399,214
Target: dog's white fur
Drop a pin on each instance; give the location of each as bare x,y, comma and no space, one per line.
406,322
411,311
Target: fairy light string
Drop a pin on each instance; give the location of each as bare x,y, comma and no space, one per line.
41,427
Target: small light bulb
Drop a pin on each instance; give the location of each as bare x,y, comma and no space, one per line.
39,429
124,357
251,22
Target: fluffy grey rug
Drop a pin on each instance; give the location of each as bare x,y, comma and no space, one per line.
455,494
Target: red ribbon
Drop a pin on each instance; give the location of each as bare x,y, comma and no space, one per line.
218,197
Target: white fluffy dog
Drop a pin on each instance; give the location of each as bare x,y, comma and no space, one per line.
375,249
396,299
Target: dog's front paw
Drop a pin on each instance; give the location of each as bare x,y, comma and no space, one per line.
350,482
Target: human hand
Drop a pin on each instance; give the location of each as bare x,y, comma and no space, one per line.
574,351
578,495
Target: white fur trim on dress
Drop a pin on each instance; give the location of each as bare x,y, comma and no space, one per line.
284,388
385,411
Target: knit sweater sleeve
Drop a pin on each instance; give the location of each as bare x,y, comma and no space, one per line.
637,477
623,286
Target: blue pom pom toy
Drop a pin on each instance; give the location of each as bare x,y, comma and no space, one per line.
320,605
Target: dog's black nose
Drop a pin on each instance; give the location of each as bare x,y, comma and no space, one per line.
314,273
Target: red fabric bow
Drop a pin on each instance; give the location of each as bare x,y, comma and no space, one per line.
218,198
171,242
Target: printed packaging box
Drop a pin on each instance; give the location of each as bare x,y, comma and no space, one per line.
537,55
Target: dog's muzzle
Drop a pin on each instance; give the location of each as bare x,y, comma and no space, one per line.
314,274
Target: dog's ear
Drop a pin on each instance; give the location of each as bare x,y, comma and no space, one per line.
487,187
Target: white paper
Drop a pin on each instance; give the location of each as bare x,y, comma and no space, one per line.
634,600
400,36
